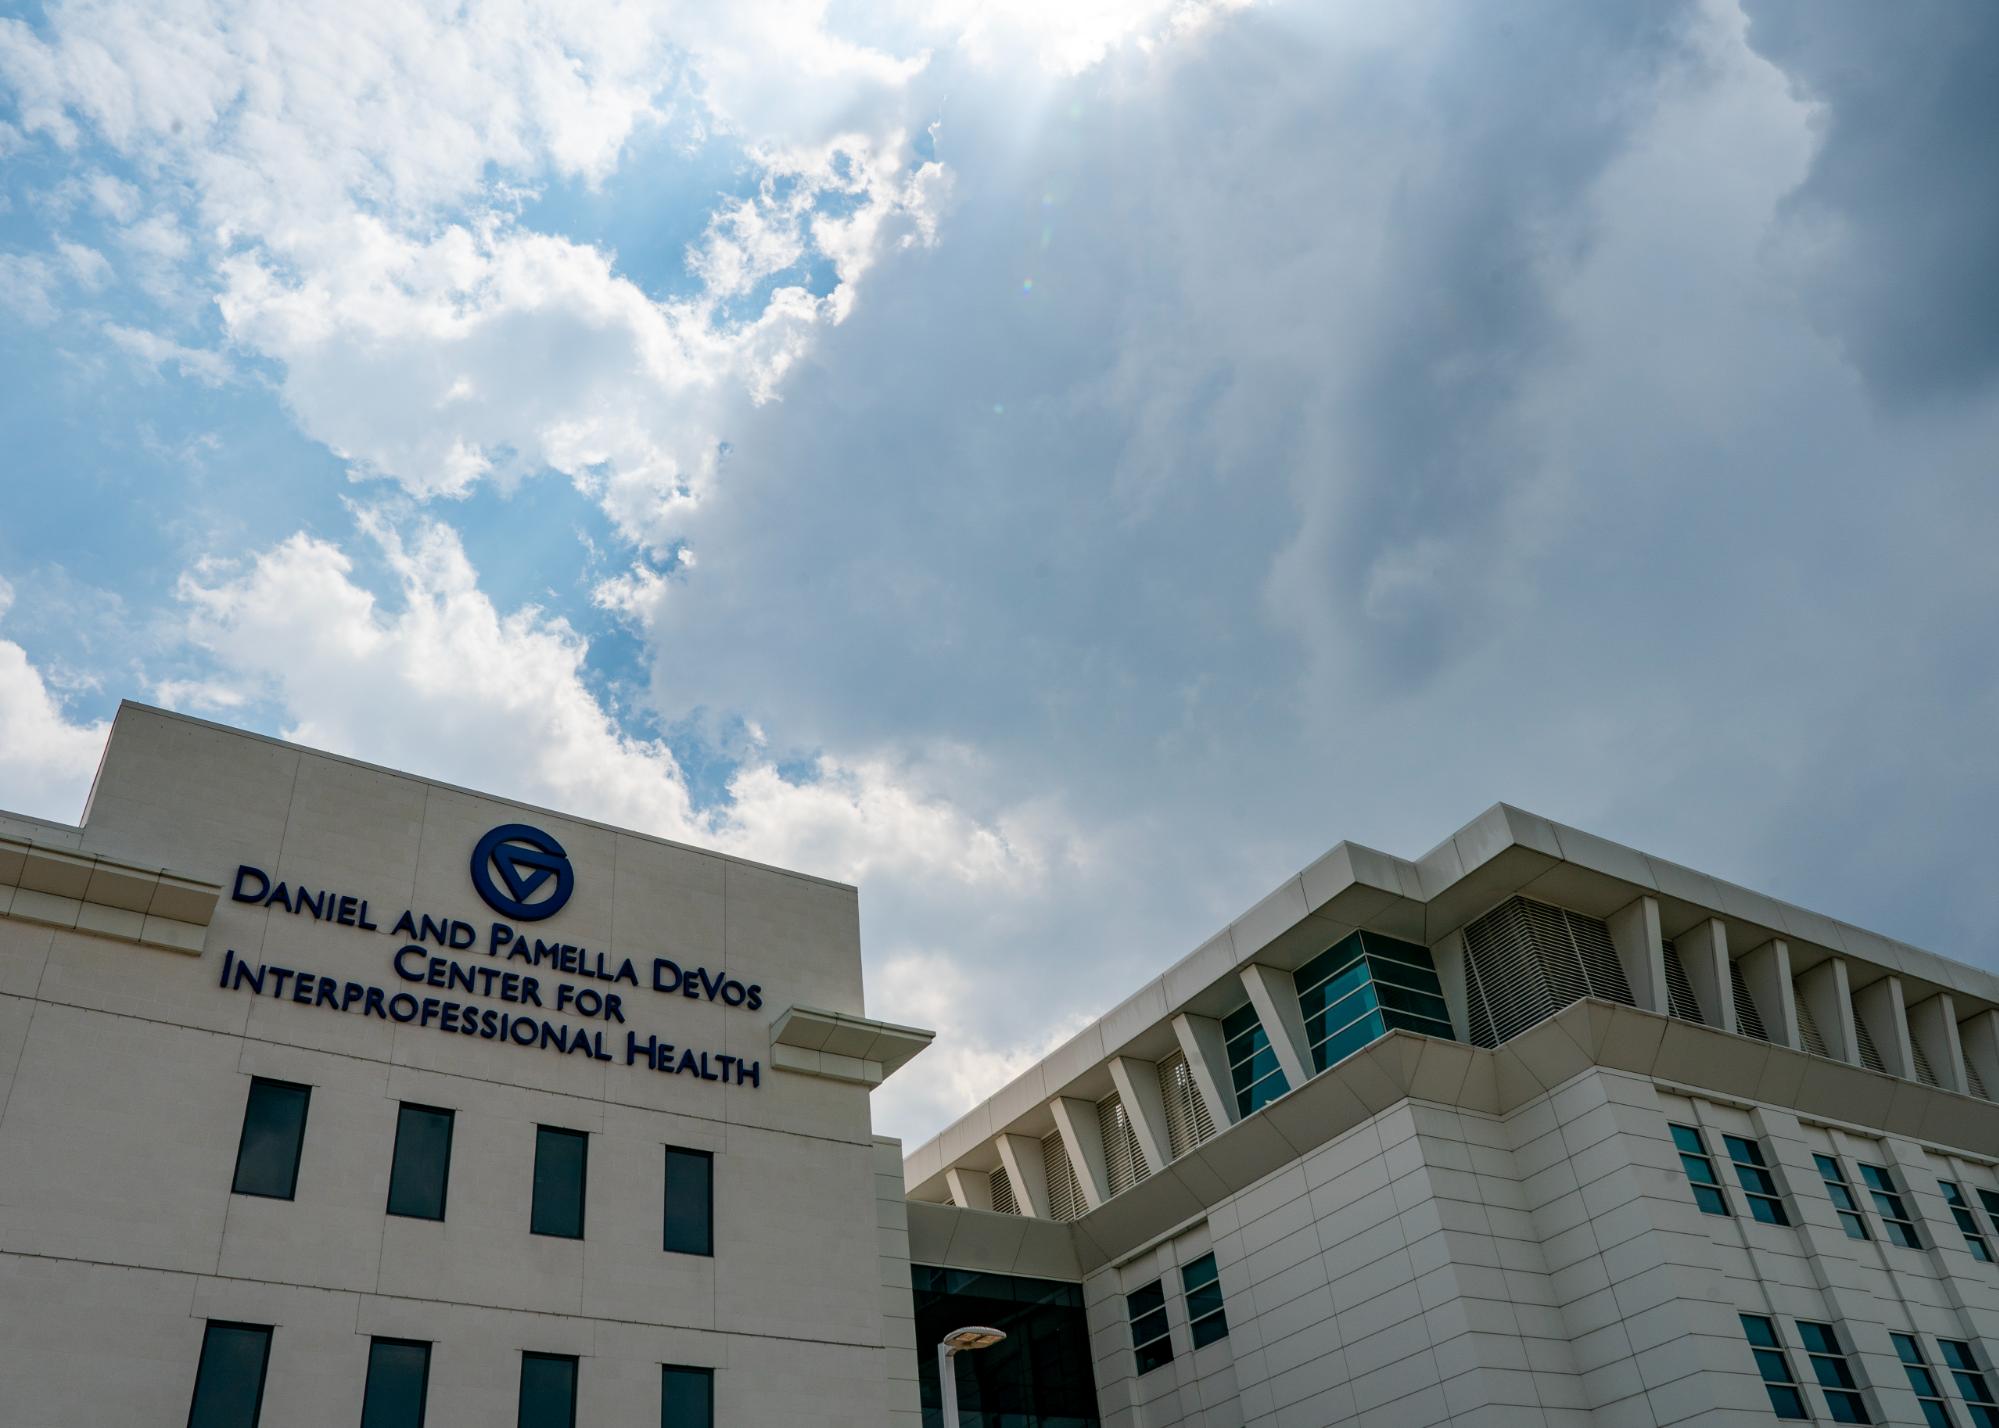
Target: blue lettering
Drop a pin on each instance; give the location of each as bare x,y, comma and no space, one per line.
404,924
750,1073
243,894
403,972
462,935
403,1007
316,901
660,968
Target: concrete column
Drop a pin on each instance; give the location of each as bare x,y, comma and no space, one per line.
1207,1052
970,1189
1978,1034
1825,990
1027,1170
1274,993
1634,932
1138,1092
1083,1138
1766,970
1880,1003
1933,1022
1448,957
1703,952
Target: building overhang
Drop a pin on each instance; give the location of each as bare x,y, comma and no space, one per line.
90,893
842,1047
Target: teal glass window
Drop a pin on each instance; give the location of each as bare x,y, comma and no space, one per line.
1888,1204
686,1397
1923,1383
1841,1194
1971,1384
1699,1167
1361,988
1759,1187
1960,1210
1842,1398
690,1201
1253,1070
1150,1341
273,1136
398,1384
548,1391
561,1170
420,1171
1206,1320
1990,1200
1774,1365
229,1384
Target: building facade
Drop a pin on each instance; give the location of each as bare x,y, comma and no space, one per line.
332,1095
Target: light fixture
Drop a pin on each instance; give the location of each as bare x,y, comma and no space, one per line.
954,1343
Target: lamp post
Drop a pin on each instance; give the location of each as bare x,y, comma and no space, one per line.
954,1343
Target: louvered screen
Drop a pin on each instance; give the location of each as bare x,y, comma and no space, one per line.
1974,1080
1680,998
1065,1196
1808,1028
1003,1201
1748,1020
1124,1160
1870,1055
1925,1072
1525,961
1187,1120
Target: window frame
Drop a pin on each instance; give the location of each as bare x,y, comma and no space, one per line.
1886,1195
666,1373
1967,1220
1252,1091
1968,1376
450,1117
1762,1350
423,1398
243,1136
1839,1190
575,1382
1190,1287
1922,1381
582,1185
1841,1389
666,1201
267,1332
1143,1348
1718,1204
1763,1203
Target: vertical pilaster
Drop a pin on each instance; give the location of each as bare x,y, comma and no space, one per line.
1027,1172
1083,1140
1978,1034
970,1189
1207,1052
1880,1004
1448,957
1138,1092
1766,971
1634,932
1274,993
1933,1022
1827,992
1703,950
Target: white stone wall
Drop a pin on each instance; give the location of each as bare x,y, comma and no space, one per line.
124,1071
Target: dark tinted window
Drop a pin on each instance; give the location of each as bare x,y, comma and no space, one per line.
229,1384
561,1164
398,1381
422,1166
273,1134
1039,1376
686,1397
548,1391
690,1201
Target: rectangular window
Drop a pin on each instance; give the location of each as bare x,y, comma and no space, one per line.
1695,1161
1206,1322
1841,1194
421,1168
1758,1185
1888,1204
690,1201
1785,1399
561,1168
398,1384
1960,1210
686,1397
548,1391
1971,1385
229,1384
1990,1200
1149,1339
273,1135
1253,1070
1842,1396
1922,1382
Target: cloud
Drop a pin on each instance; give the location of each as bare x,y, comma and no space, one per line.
46,761
209,368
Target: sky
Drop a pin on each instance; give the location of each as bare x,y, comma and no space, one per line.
1058,466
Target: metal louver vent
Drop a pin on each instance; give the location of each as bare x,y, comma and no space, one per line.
1003,1201
1680,998
1065,1196
1870,1055
1925,1072
1808,1029
1124,1160
1748,1020
1525,961
1187,1120
1974,1080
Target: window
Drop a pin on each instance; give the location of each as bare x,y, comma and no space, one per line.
1361,988
1842,1397
1149,1339
690,1201
561,1165
421,1168
1841,1195
1205,1320
1700,1171
398,1383
686,1397
548,1391
273,1135
1922,1382
229,1384
1960,1210
1785,1399
1971,1384
1990,1200
1888,1204
1758,1187
1253,1070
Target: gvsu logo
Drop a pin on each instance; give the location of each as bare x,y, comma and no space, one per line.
525,860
